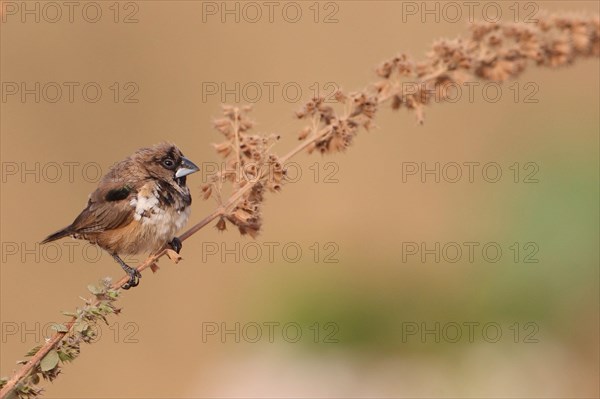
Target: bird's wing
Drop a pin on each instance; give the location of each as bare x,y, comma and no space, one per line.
108,208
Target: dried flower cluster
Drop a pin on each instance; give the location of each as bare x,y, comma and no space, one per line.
252,168
491,52
329,132
249,162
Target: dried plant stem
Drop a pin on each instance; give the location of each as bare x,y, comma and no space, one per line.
34,361
481,57
57,337
304,145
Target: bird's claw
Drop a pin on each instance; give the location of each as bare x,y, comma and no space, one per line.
134,279
176,244
133,273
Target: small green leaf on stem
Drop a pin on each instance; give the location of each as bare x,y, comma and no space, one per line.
49,361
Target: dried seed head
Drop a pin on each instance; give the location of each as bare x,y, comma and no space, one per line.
248,162
223,125
221,224
206,190
304,133
223,149
492,51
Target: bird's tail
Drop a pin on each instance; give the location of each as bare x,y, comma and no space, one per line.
58,235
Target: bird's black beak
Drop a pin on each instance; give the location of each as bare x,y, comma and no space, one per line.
187,167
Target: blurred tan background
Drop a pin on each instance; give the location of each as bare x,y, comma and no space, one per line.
159,347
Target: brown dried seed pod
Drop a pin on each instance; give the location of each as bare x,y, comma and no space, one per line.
206,190
223,149
221,224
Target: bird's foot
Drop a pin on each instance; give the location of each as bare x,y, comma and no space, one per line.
176,244
134,274
134,278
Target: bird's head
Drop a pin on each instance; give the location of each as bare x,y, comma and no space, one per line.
166,162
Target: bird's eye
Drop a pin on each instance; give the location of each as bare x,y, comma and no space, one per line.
168,163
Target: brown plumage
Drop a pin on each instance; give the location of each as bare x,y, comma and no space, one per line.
138,206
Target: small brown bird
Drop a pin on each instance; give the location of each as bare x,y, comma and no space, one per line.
138,206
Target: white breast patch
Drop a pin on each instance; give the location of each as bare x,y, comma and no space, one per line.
160,225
